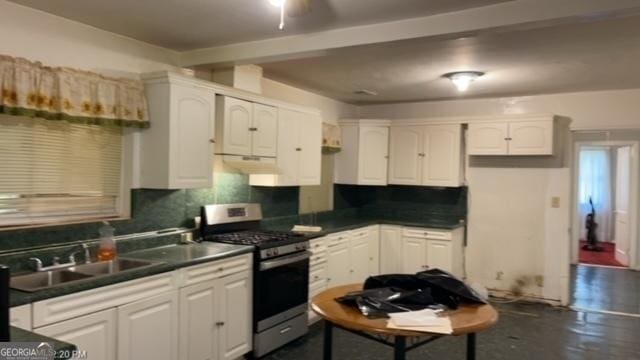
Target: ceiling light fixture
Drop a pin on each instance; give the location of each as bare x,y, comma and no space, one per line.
280,4
462,79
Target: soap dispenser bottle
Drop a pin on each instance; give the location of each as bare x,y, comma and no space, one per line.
107,250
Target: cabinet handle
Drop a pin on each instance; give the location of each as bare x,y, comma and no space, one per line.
421,154
253,129
350,271
220,323
298,149
508,138
220,269
212,141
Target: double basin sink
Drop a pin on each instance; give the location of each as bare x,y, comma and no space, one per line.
43,280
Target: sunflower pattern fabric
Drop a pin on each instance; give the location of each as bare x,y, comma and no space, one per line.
58,93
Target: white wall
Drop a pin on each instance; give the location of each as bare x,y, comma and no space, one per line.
55,41
588,110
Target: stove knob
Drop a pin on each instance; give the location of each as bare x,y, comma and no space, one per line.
275,251
269,252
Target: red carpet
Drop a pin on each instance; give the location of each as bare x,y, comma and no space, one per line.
605,257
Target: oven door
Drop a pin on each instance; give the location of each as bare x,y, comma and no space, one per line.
281,289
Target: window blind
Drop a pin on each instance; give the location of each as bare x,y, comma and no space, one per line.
54,171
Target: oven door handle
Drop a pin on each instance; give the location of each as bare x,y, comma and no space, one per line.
270,264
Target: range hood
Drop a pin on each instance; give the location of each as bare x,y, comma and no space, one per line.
252,164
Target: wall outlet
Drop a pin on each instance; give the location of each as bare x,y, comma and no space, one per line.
555,202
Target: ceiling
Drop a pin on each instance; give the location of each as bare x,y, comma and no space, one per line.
191,24
575,57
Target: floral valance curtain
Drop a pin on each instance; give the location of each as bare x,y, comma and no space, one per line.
55,93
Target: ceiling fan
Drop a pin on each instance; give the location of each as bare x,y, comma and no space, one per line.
293,8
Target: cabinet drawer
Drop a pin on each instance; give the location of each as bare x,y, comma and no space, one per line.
318,273
73,305
214,270
316,259
317,246
338,239
360,232
427,233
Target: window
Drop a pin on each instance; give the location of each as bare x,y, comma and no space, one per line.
55,171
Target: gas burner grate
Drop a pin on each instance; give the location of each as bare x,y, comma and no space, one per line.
253,237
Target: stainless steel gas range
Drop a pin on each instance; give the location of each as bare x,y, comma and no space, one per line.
280,277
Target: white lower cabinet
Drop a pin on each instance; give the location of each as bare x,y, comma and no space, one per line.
352,256
20,316
148,329
94,334
234,312
414,254
424,249
390,249
215,314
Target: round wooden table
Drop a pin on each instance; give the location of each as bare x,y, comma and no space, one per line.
466,320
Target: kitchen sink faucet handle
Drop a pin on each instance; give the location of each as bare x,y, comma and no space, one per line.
38,263
87,253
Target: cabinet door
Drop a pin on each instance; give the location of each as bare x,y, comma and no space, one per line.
439,255
487,139
414,252
234,314
93,334
373,155
310,153
192,131
531,138
442,162
288,132
198,333
374,250
338,265
359,256
237,121
405,155
264,132
390,250
148,329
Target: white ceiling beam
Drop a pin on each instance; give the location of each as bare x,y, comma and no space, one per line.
507,14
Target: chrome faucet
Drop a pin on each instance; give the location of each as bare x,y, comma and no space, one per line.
56,265
87,253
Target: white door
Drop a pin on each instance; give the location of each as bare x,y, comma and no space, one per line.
373,155
148,329
338,265
198,333
413,255
442,162
487,138
288,133
405,155
439,255
192,134
359,257
237,121
93,334
390,250
310,153
622,233
531,137
374,250
234,316
264,132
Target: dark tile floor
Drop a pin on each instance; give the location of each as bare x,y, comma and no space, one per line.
524,331
609,289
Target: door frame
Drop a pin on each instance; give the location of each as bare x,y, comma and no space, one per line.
634,190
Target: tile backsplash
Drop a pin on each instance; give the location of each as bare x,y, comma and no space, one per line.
160,209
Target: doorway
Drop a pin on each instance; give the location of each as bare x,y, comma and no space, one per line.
604,227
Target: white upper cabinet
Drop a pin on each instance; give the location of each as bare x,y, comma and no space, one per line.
237,118
512,137
264,138
442,165
427,155
405,155
248,129
177,150
364,156
299,151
